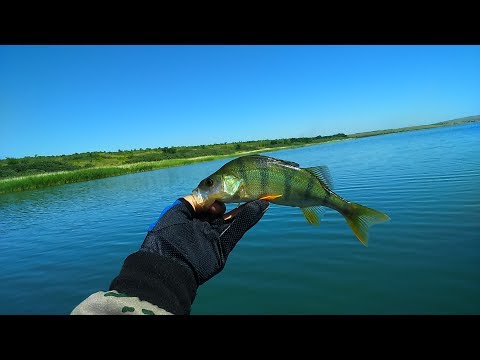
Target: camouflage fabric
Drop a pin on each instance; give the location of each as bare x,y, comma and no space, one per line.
115,303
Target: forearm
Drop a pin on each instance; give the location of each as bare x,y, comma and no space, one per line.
148,283
181,251
158,280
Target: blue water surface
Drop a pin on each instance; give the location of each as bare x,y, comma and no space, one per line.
60,244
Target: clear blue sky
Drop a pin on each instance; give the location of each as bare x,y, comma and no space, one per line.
64,99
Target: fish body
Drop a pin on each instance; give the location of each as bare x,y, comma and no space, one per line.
284,183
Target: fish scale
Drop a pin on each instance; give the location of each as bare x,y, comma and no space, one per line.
285,183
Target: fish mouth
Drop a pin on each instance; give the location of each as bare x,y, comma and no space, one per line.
202,198
198,196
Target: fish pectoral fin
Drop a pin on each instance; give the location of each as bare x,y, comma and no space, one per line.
313,214
231,214
269,197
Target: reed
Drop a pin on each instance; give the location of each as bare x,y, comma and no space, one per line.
38,181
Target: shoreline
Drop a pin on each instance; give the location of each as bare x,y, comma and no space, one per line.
39,181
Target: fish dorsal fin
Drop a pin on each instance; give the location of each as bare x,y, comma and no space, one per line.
272,160
323,174
283,162
313,214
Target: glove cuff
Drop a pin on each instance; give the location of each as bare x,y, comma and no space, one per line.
159,280
188,206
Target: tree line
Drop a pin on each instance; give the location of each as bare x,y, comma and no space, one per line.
31,165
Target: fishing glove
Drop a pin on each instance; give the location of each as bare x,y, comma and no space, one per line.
181,251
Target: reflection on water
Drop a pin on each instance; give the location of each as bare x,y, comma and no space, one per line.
58,245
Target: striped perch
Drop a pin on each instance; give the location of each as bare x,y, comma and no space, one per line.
284,183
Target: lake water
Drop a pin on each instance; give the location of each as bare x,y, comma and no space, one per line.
58,245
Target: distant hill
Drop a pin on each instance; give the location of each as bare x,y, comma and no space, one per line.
464,120
459,121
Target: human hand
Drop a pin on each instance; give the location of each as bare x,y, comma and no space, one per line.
201,239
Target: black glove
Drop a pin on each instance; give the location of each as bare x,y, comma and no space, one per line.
181,251
201,243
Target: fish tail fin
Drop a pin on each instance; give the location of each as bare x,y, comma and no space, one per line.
360,218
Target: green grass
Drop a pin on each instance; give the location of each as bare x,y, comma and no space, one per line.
37,172
58,178
32,182
38,181
41,171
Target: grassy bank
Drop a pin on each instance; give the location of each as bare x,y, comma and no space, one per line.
37,181
36,172
41,171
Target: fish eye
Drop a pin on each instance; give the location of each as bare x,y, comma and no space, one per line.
209,181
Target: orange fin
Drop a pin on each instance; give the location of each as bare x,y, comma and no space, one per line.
231,214
270,197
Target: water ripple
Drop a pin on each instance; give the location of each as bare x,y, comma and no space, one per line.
424,261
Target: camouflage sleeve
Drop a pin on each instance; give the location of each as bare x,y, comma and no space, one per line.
115,303
148,283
